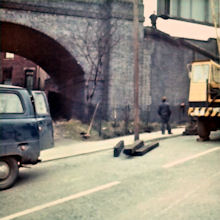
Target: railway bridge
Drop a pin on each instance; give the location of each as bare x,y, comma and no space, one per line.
78,43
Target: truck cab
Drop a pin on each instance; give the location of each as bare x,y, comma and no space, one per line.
25,129
204,96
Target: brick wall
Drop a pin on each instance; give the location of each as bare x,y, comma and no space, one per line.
53,27
165,61
18,65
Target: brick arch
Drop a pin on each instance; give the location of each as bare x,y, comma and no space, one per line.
52,57
41,49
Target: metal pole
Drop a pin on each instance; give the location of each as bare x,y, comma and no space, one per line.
214,18
136,69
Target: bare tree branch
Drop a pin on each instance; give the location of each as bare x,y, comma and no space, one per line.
94,48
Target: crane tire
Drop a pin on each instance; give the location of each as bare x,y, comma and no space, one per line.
203,129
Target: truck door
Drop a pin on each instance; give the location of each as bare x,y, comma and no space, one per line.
44,120
199,83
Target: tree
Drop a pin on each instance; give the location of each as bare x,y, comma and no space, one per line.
93,43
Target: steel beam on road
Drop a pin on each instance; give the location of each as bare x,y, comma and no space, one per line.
143,150
130,149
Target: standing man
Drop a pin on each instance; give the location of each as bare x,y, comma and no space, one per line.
153,19
164,113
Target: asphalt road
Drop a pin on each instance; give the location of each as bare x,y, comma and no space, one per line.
178,180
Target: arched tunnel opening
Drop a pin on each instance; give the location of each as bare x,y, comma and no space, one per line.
65,88
56,102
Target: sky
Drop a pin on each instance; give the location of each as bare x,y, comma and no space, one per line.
178,28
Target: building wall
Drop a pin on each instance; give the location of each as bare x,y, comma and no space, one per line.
17,65
166,60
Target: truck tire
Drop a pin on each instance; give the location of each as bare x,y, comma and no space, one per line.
203,130
8,172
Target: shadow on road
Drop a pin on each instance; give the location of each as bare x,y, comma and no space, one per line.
26,177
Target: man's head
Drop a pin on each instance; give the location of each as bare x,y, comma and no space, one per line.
164,98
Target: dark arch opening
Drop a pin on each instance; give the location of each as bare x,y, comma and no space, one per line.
51,56
57,100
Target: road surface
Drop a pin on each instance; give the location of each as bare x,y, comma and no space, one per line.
178,180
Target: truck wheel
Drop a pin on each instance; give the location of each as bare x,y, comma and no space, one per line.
203,130
8,172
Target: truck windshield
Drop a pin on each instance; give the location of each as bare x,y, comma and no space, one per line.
216,75
200,73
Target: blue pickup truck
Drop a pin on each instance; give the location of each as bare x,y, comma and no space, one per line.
25,129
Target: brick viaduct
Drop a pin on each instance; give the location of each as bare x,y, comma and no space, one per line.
45,32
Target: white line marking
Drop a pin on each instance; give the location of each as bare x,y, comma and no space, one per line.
177,202
186,196
175,163
59,201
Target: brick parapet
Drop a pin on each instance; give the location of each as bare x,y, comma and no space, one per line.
75,8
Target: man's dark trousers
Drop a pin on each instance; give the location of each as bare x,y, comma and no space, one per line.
165,125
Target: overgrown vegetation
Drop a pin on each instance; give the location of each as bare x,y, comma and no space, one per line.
73,129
